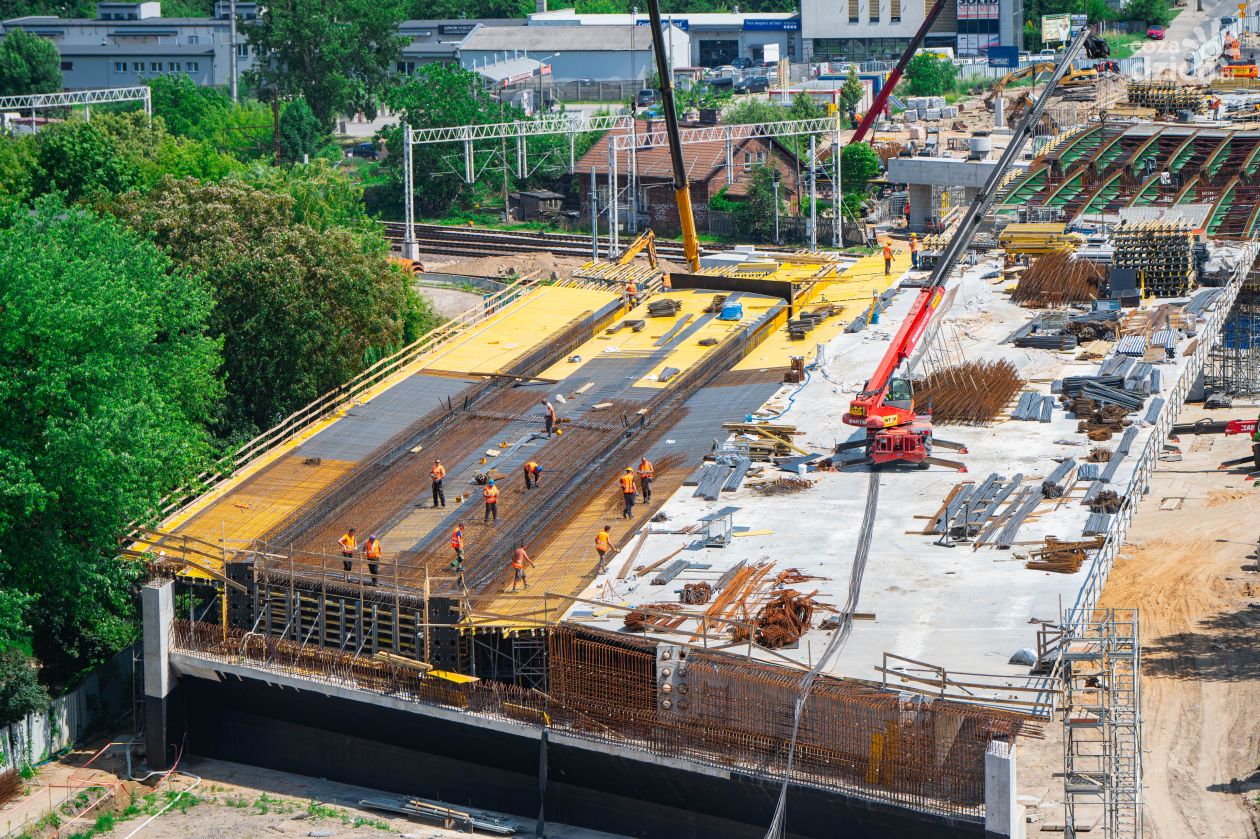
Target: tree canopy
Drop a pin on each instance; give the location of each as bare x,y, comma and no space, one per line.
80,160
930,75
337,54
28,64
110,379
300,132
299,302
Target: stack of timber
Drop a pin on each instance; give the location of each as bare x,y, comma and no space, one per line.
767,440
1035,239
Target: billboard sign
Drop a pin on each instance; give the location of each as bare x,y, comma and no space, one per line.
1055,28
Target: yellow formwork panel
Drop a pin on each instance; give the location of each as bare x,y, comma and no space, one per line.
493,346
627,343
852,289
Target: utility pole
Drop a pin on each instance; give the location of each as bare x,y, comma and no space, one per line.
837,196
232,46
594,219
813,193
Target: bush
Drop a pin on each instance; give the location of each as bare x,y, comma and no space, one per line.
930,76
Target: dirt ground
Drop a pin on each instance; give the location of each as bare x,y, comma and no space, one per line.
540,264
449,302
231,801
1191,569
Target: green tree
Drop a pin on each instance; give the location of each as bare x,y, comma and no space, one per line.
79,160
300,304
154,152
20,690
28,64
437,95
851,93
300,132
930,75
749,110
337,54
858,165
17,167
109,380
1151,12
805,106
754,215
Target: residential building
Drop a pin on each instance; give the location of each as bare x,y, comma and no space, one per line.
708,169
859,30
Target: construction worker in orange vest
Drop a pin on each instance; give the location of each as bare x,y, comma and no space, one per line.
347,550
457,544
372,553
666,283
887,259
646,473
914,251
519,560
603,544
632,293
551,416
627,492
491,496
532,473
436,474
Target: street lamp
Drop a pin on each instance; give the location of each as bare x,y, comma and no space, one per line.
775,175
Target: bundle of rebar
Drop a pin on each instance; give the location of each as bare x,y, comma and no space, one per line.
1056,279
1107,501
641,620
1062,557
972,393
1161,252
783,486
695,593
1166,96
784,618
10,784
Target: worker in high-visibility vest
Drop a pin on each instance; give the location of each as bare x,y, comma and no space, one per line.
436,474
646,473
603,544
627,492
914,251
520,558
887,260
457,545
666,283
533,472
347,550
632,293
491,496
372,553
550,418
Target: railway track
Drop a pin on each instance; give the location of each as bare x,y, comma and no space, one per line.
480,241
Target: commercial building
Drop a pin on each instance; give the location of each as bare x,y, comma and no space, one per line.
573,53
860,30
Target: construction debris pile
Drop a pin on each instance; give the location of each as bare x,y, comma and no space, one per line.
653,616
1062,557
1161,252
695,593
784,618
783,486
1166,96
1107,501
1057,279
972,393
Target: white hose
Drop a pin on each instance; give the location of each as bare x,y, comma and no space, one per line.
173,801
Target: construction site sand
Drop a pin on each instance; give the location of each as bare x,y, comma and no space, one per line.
1190,569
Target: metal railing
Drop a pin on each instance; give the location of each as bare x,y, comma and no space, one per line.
333,400
1089,595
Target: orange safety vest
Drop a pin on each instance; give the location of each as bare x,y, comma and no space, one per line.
627,484
531,468
887,252
631,288
457,538
372,549
645,469
602,543
518,558
667,284
914,246
438,472
347,542
491,494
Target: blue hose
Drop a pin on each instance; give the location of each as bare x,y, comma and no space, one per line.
791,402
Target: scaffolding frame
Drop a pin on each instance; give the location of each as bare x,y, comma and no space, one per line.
1102,724
1233,365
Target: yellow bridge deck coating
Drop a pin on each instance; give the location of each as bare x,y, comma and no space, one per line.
241,509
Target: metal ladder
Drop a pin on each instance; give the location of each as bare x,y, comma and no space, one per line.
1102,744
529,659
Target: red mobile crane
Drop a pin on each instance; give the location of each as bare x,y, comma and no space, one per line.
885,407
881,98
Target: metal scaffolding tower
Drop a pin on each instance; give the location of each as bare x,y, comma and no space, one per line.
1102,721
1233,365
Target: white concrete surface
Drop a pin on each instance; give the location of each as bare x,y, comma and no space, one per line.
967,610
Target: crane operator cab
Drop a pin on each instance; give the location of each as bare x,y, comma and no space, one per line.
900,393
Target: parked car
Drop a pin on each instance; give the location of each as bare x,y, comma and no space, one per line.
1227,20
741,63
724,71
646,98
752,84
1047,55
1155,32
367,151
721,83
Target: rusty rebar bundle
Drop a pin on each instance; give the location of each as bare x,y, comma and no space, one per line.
10,785
1056,279
1062,557
783,486
696,593
972,393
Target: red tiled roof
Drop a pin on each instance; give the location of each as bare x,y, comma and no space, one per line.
703,160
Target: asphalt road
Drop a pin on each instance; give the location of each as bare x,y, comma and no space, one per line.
1186,34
